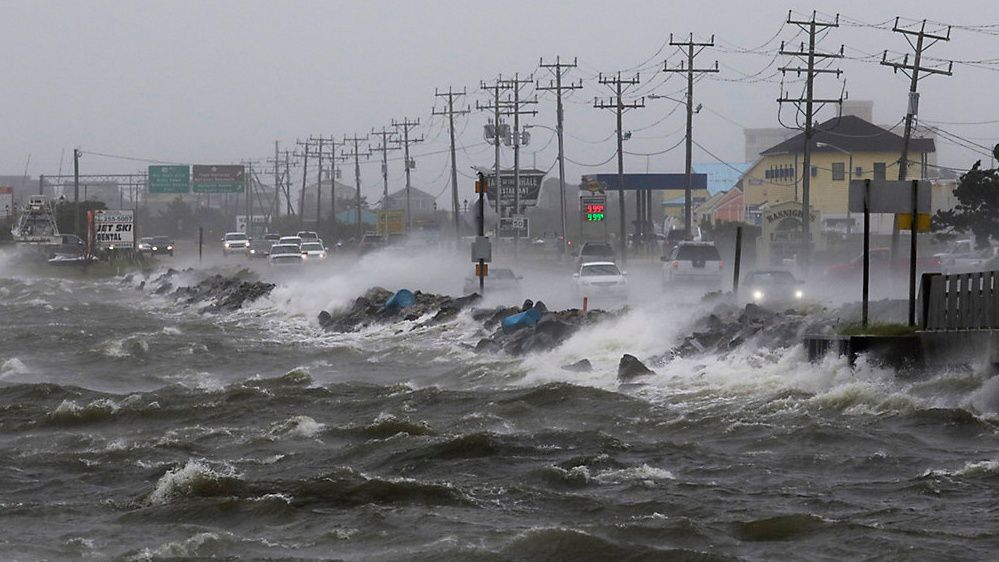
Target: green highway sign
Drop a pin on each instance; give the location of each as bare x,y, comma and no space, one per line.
217,178
169,179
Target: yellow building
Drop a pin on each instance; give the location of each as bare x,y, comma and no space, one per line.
843,148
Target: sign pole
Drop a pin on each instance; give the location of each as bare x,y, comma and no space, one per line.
738,262
201,242
483,186
867,252
912,254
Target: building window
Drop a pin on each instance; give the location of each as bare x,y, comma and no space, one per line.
838,171
858,172
880,171
815,171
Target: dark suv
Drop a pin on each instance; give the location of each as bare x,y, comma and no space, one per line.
595,251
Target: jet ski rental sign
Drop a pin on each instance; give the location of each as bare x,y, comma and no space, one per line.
114,229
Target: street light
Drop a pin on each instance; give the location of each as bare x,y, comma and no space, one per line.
849,176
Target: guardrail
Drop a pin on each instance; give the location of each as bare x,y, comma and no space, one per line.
961,301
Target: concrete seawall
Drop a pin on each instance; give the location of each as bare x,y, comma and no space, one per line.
921,349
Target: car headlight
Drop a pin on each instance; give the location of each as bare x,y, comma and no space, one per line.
169,247
110,247
757,295
253,251
799,294
155,248
226,244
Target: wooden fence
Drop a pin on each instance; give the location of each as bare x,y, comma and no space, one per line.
962,301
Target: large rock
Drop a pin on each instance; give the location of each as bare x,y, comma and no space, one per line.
630,367
220,293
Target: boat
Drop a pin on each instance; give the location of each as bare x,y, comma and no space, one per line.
36,224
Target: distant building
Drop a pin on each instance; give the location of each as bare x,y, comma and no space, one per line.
422,204
842,149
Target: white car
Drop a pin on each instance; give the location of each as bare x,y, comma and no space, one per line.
600,279
313,251
694,262
286,254
235,243
296,240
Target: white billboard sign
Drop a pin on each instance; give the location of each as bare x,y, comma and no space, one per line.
114,229
890,196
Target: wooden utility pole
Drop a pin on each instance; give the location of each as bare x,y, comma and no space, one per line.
693,48
514,108
806,106
450,111
356,155
912,70
406,126
321,140
384,148
497,136
305,173
619,106
559,69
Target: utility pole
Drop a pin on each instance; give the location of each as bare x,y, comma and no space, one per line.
812,27
451,112
406,125
514,109
912,71
356,155
305,173
276,210
617,104
497,138
559,69
319,175
76,191
289,208
384,147
693,48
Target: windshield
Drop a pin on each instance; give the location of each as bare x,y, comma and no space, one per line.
145,240
698,253
285,249
307,235
601,269
312,246
771,277
597,250
235,236
161,240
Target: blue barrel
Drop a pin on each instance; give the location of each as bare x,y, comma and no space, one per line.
520,320
403,298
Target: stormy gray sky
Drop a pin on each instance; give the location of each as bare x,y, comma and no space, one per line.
216,82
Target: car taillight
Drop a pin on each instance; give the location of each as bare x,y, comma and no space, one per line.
676,265
721,264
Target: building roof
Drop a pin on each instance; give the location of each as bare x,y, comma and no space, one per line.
851,134
647,181
722,176
414,193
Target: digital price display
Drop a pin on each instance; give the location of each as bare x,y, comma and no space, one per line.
594,212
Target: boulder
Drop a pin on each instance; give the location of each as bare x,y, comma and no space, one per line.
581,366
630,367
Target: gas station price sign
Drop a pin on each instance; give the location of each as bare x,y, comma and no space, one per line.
594,207
594,212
